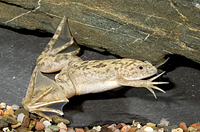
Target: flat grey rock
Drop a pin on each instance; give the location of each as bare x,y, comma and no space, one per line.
19,50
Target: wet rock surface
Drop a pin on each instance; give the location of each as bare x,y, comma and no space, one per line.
145,30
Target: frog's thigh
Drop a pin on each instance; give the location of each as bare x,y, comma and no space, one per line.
53,63
65,83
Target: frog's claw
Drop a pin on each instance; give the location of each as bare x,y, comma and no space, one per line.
43,92
142,83
150,86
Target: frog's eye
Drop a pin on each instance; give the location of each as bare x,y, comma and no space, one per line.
140,68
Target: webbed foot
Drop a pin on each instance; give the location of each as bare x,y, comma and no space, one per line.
41,94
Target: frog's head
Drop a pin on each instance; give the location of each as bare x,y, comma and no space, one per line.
136,70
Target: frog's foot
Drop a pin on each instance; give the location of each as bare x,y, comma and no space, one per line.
42,93
150,85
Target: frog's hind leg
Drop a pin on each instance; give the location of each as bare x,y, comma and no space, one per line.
62,38
42,93
51,60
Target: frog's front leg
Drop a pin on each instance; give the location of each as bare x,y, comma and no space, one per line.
142,83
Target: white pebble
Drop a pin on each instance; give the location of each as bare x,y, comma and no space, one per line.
15,107
164,121
62,125
98,128
9,107
2,105
47,129
20,117
112,127
46,123
148,129
138,126
161,130
6,129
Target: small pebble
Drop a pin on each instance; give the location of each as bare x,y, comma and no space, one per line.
62,125
21,110
9,110
48,129
54,128
1,112
105,129
79,130
86,129
64,130
183,126
39,126
43,119
6,129
2,105
32,124
20,117
177,130
112,127
125,128
10,120
17,125
117,130
139,126
139,130
92,130
148,129
46,123
14,116
68,130
21,129
119,126
98,128
161,130
133,129
3,123
169,128
164,121
15,107
58,119
151,124
196,125
192,129
26,121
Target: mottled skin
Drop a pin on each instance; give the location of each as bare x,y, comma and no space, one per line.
79,77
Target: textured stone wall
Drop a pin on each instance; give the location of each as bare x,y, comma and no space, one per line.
140,29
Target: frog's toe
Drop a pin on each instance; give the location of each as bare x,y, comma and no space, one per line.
154,87
151,84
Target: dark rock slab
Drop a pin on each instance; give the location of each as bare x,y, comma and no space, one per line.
145,30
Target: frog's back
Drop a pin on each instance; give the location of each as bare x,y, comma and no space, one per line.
102,69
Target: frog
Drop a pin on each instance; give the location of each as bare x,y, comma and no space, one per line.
78,77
